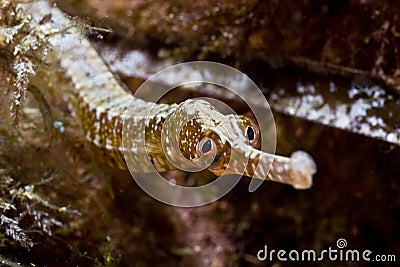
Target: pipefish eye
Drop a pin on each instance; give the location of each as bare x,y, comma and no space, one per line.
206,147
252,134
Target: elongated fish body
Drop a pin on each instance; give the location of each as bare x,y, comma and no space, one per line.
102,103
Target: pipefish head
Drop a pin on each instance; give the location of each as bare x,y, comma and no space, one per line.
211,139
202,137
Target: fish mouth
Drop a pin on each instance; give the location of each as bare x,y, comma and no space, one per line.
296,170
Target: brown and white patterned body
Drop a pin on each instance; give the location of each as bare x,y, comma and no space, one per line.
171,139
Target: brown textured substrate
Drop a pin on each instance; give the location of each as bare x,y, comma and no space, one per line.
357,34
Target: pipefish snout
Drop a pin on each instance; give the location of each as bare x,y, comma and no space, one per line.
192,135
227,144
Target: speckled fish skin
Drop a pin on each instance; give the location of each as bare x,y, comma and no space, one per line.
102,101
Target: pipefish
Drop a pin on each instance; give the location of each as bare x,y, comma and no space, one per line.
101,104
